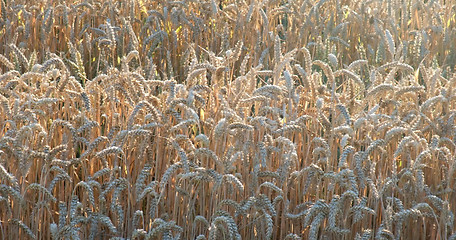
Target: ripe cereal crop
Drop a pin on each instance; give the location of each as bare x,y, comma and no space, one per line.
227,119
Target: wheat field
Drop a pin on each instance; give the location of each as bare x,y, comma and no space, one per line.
227,119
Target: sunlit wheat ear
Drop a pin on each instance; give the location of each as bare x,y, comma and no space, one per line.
279,66
226,225
403,90
19,55
382,88
6,176
9,75
4,60
131,34
163,227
